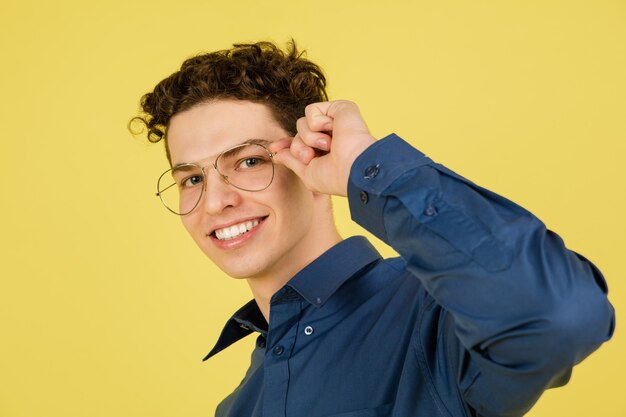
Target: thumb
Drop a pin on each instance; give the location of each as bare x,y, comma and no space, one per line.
286,158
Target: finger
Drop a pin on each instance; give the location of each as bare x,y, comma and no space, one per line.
345,116
280,144
286,158
318,118
312,138
301,150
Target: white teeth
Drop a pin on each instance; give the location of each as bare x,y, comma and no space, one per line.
235,230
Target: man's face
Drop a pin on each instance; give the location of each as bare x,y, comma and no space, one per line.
281,216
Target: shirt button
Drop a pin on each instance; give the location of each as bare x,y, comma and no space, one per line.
364,197
430,211
308,330
371,171
279,350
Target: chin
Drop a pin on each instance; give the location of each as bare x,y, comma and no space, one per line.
239,271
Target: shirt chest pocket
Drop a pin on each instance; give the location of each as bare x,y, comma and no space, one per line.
380,411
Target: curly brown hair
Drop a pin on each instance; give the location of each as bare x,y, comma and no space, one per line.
260,72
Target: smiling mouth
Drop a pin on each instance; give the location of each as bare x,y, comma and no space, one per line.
238,229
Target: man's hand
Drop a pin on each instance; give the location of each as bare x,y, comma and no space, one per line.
330,137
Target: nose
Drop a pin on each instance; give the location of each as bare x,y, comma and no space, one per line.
218,194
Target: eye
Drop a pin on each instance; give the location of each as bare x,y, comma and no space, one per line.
250,162
191,181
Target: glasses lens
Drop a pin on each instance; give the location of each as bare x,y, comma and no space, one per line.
247,167
180,188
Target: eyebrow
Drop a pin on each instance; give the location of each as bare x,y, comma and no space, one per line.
253,141
256,142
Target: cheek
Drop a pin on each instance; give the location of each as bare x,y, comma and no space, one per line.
289,185
295,199
193,225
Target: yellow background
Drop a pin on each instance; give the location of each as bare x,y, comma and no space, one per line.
107,307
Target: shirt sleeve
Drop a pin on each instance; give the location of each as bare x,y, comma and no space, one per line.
524,308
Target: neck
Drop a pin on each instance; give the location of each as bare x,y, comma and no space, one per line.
319,241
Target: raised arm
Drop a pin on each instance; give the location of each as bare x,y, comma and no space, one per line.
524,308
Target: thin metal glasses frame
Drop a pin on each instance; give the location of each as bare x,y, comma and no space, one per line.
205,174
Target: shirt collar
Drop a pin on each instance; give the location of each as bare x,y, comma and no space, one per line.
319,280
245,321
316,283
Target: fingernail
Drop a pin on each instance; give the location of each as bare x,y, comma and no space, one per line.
322,143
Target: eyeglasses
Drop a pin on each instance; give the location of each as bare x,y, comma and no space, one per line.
248,167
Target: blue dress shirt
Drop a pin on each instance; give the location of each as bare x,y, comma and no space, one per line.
483,311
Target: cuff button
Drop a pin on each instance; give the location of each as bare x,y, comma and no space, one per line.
371,171
430,211
364,197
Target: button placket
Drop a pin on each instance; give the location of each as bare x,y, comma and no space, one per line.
281,337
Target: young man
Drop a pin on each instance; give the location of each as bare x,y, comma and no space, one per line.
484,310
